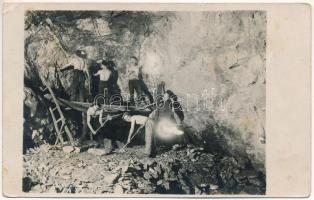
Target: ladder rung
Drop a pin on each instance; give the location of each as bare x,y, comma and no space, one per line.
59,120
55,108
43,88
60,133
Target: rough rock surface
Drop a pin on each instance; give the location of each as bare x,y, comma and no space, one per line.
181,170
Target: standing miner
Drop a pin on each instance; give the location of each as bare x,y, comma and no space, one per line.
77,62
133,76
104,75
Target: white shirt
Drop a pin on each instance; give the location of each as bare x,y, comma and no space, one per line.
77,62
132,72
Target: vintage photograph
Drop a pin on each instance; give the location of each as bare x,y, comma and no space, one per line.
144,102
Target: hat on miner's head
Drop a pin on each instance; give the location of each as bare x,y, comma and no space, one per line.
107,62
81,53
99,61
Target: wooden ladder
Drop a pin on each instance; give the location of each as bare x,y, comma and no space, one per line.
58,119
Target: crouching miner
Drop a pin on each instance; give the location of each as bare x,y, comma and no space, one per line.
96,111
146,122
93,112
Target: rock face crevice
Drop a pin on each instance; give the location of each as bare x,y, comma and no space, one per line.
213,61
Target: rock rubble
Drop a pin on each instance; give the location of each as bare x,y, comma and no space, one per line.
181,170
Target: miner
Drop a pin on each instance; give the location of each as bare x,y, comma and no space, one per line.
97,111
77,62
104,74
169,108
133,75
93,112
172,102
168,118
146,122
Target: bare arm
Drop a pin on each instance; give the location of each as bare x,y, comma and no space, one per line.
152,115
100,117
131,130
89,124
97,74
128,71
67,65
119,83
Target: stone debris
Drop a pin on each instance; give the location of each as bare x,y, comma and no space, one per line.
97,171
98,152
71,149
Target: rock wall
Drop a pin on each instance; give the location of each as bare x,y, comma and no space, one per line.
214,62
216,59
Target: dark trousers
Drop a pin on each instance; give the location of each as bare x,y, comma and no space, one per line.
103,89
77,93
78,86
146,91
134,85
100,137
149,137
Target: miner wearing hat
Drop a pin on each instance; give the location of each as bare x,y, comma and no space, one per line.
77,62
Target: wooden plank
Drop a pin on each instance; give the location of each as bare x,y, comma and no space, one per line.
60,119
59,136
69,134
83,106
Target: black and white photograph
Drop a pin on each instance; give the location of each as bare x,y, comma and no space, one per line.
144,102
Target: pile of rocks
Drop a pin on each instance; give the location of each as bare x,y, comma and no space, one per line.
181,170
